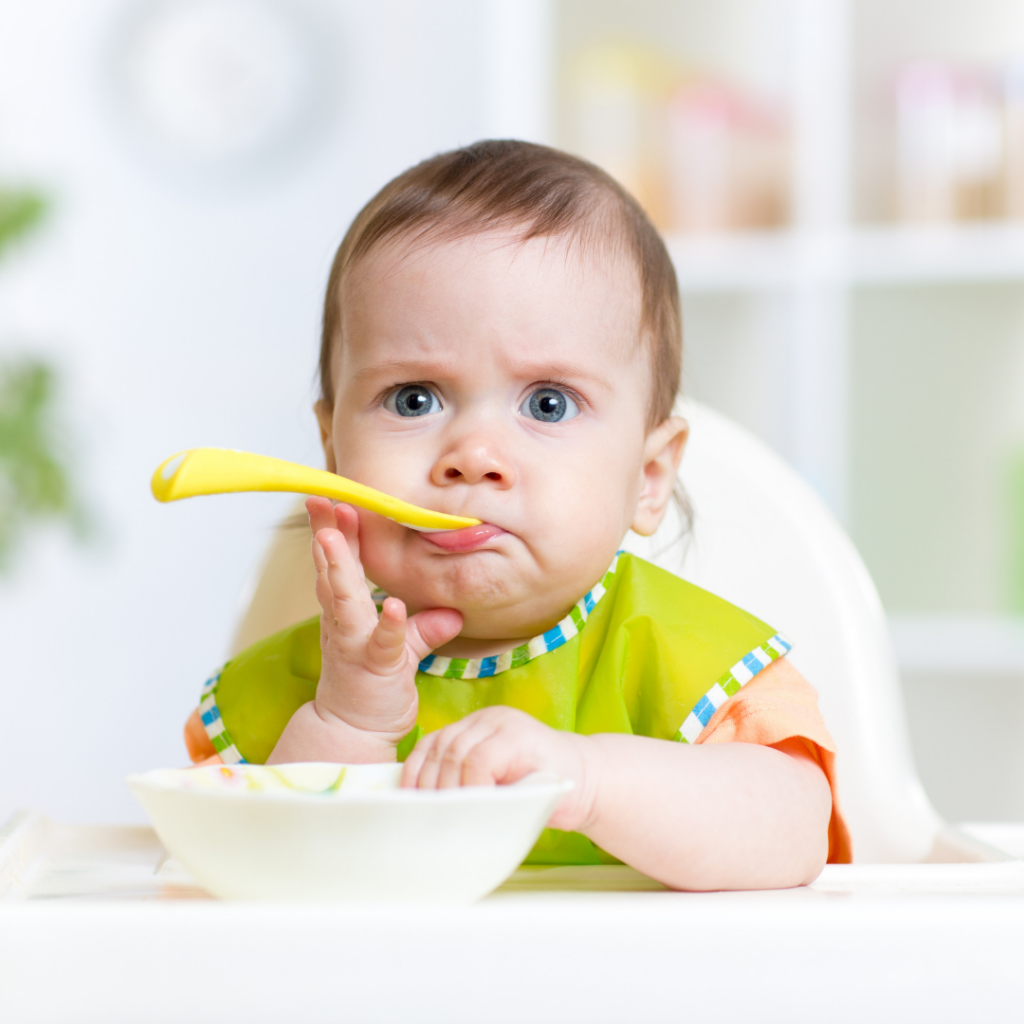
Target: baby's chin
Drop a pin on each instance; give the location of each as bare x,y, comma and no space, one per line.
483,581
500,591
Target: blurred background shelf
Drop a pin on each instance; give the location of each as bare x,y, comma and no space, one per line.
977,252
742,261
861,257
959,644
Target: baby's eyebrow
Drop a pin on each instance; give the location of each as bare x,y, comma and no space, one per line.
440,369
406,369
558,371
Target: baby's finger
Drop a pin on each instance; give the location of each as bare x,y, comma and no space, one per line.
414,761
387,641
496,760
430,629
345,596
321,514
462,748
412,772
324,594
346,519
444,766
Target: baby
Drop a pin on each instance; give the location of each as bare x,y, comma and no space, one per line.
502,341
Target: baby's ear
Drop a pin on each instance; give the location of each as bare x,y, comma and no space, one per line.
663,451
325,418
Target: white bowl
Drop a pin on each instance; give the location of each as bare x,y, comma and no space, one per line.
343,832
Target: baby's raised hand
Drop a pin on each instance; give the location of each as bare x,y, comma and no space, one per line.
368,675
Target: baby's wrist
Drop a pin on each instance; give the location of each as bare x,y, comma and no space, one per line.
361,735
310,736
586,800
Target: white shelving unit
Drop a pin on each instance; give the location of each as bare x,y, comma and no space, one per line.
862,256
958,644
807,334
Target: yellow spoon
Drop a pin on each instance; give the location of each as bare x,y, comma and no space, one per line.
225,471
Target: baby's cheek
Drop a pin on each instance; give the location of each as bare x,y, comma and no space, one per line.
587,518
602,479
380,547
362,456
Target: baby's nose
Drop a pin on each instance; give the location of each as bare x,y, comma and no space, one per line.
472,464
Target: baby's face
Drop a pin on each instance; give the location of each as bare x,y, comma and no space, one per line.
503,381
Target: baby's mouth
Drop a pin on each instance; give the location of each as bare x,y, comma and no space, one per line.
469,539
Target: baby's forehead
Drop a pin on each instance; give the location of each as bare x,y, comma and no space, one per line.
546,298
560,276
578,255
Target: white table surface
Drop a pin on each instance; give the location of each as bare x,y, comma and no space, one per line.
89,931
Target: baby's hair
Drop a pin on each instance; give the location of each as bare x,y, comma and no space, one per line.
544,192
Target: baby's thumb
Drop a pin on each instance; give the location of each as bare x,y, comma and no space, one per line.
432,628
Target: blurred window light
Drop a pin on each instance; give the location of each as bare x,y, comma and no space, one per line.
217,81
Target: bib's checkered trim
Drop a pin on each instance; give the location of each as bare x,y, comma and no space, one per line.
483,668
737,677
214,724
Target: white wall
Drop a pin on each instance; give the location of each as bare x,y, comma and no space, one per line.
183,310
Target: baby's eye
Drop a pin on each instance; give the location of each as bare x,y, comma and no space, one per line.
549,406
412,400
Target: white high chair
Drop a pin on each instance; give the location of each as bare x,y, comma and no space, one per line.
887,938
764,540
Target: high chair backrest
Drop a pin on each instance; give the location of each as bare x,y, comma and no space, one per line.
763,539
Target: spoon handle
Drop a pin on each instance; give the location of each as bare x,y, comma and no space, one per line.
225,471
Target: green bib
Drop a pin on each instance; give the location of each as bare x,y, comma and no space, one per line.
644,652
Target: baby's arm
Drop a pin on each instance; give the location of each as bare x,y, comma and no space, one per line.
198,744
717,816
725,816
366,700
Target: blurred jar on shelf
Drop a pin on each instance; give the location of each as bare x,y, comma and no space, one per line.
729,160
1013,127
700,155
950,143
617,94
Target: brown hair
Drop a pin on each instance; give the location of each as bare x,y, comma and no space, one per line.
495,184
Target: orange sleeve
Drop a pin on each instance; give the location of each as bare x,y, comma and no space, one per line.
199,746
778,704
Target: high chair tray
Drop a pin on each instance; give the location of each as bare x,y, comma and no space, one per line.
95,925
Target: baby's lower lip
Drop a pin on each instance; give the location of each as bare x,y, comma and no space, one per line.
464,540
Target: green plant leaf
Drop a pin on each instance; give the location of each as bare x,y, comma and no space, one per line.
35,484
19,213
